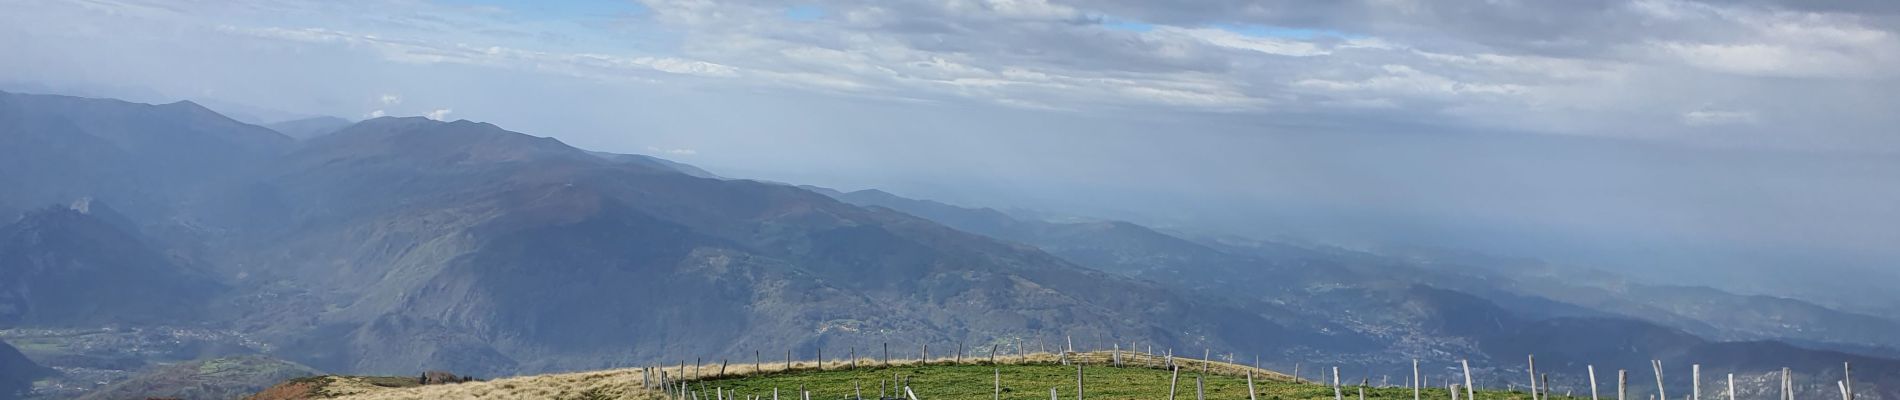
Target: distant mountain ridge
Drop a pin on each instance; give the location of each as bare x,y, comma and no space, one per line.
652,161
1409,302
403,243
397,245
145,158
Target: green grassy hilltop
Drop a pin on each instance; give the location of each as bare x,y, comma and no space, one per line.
1028,377
1032,381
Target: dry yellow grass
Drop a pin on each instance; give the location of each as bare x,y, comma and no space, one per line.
627,383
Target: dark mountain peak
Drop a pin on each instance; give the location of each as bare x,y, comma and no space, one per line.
93,206
456,142
77,217
189,106
64,266
879,193
17,373
182,126
104,213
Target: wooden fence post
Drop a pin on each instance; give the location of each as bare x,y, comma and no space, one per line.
1695,384
1593,381
1174,381
1533,363
1416,389
996,384
1078,381
1847,379
1471,391
1622,383
1731,386
1200,387
1787,384
1250,393
1660,394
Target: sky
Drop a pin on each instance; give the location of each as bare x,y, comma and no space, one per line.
1672,138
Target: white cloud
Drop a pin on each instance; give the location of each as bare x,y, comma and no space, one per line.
375,114
1607,71
1717,117
1267,45
441,114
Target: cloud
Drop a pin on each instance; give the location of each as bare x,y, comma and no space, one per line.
1585,60
441,114
1717,117
375,114
1598,67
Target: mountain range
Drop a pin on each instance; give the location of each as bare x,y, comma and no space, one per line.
398,245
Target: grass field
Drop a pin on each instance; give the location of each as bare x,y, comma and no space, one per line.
1028,377
1034,381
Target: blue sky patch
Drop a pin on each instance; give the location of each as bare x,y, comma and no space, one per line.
804,13
559,9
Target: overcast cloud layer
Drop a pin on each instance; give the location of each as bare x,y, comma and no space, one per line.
1684,134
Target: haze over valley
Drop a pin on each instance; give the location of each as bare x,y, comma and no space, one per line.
211,201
